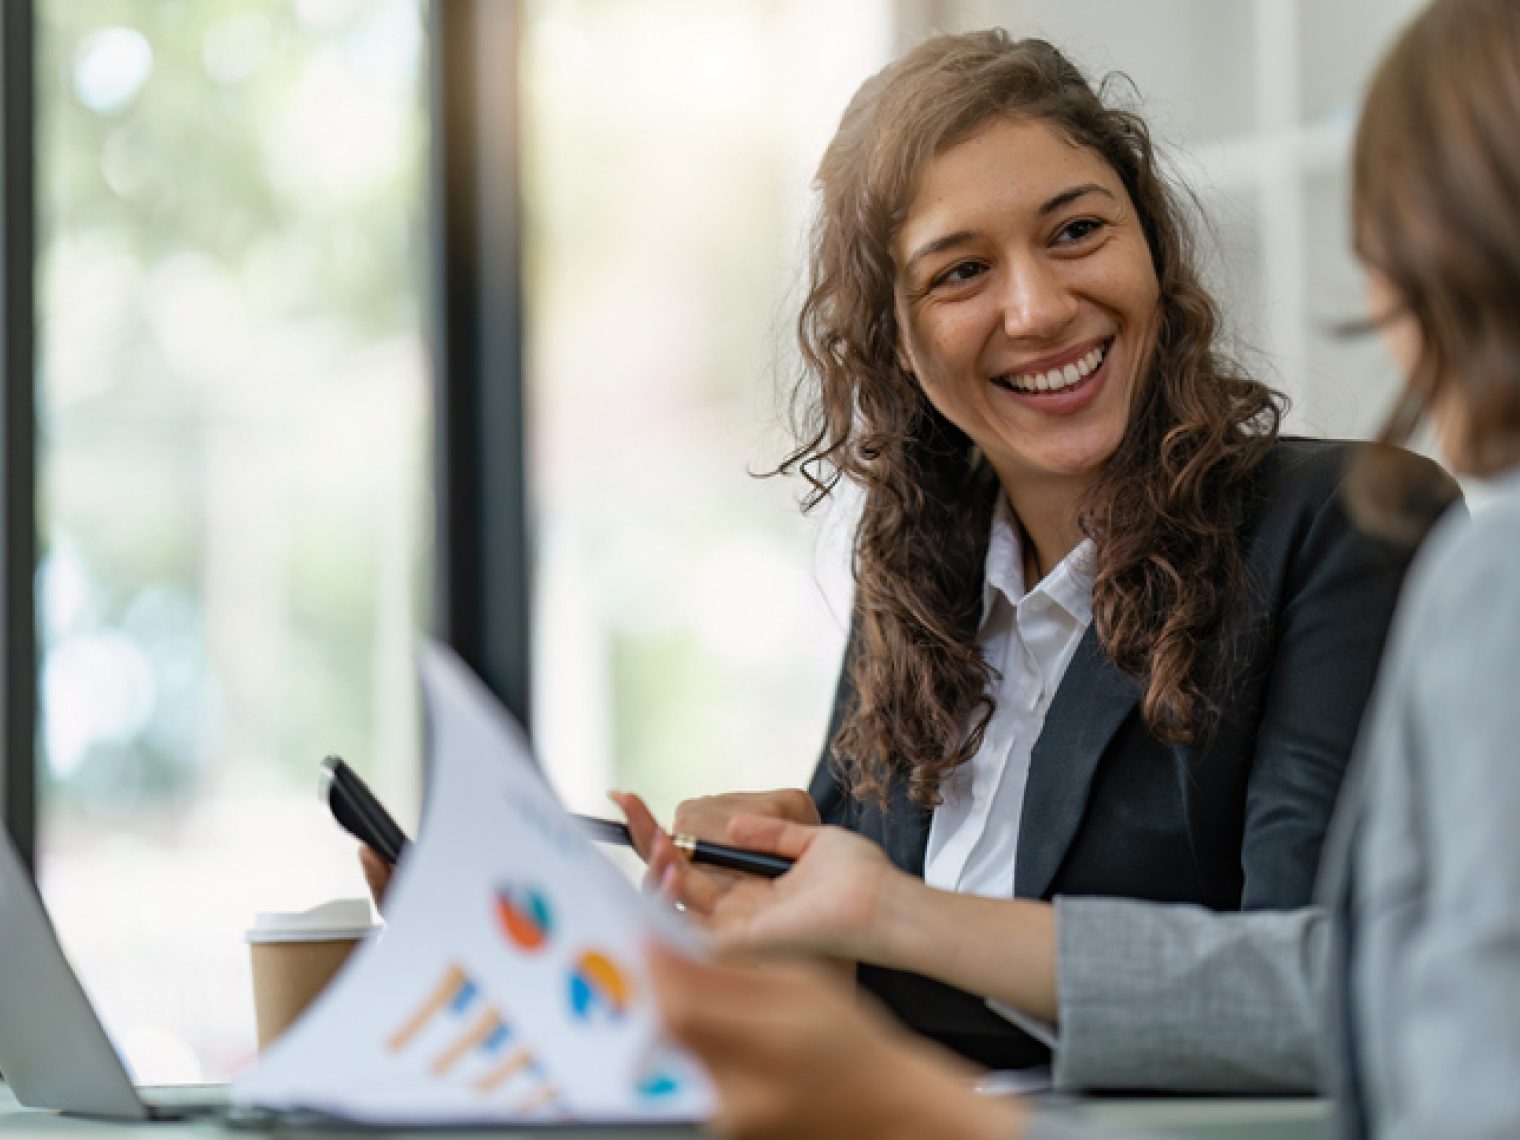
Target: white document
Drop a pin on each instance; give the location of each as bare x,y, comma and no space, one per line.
509,983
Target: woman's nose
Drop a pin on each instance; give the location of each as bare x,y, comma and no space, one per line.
1037,304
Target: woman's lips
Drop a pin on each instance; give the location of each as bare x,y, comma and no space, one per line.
1066,400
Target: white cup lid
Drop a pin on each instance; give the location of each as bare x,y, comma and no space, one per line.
341,918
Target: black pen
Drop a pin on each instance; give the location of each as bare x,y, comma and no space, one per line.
697,850
363,817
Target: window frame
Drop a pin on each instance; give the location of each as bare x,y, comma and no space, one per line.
483,592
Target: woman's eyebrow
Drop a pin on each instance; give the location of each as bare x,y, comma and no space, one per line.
937,245
1066,197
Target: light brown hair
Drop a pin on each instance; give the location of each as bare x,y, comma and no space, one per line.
1162,511
1436,211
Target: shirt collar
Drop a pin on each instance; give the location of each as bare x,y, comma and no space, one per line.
1069,585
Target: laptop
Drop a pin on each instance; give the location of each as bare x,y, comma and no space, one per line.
54,1052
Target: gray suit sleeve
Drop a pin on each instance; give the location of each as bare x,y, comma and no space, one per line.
1043,1127
1176,997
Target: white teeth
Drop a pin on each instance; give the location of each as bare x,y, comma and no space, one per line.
1058,378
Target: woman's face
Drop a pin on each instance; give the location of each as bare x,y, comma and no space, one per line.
1387,309
1027,301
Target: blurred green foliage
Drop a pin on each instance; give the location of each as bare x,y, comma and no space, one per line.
231,386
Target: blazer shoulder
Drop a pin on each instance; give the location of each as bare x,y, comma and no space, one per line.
1300,478
1306,471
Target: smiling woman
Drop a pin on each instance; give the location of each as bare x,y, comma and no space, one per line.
1112,635
1038,231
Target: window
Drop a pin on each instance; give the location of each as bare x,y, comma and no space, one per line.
233,457
688,622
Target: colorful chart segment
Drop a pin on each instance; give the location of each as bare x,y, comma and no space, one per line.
659,1086
462,1037
524,916
598,988
472,1039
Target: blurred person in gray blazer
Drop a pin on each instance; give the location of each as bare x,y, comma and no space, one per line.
1418,962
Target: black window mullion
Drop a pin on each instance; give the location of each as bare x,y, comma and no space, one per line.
18,421
482,558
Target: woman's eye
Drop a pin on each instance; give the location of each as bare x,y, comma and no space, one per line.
1074,232
960,273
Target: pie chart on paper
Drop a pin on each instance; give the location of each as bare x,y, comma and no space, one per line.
598,989
524,916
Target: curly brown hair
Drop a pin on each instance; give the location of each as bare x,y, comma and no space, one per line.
1161,513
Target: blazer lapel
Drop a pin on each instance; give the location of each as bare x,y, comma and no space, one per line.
1092,701
905,830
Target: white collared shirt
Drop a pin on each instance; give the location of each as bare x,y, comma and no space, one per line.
1029,640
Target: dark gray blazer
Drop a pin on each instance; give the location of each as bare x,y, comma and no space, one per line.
1235,823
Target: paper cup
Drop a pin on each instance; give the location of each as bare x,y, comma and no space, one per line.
296,954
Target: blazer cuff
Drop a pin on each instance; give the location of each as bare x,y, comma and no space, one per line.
1181,998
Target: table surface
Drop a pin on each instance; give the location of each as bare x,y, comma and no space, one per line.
1227,1118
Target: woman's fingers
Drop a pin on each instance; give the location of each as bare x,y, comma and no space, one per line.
706,817
377,874
642,827
766,833
690,991
697,890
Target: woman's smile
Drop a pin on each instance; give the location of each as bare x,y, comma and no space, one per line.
1065,385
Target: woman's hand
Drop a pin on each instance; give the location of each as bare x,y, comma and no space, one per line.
793,1056
698,888
845,899
842,899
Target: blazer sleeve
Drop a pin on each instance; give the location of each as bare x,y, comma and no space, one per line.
1179,997
1336,604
